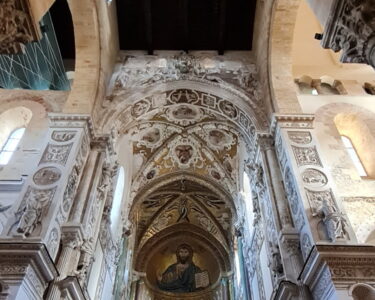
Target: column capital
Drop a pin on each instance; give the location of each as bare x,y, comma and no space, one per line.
72,235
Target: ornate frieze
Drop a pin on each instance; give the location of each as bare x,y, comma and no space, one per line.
351,29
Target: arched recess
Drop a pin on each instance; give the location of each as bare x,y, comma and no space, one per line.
182,233
283,90
87,69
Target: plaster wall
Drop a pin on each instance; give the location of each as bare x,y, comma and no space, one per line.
356,193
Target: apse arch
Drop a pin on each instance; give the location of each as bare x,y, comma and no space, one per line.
143,255
117,111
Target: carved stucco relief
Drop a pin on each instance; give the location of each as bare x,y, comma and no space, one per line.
56,154
33,208
300,137
47,176
314,178
63,136
306,156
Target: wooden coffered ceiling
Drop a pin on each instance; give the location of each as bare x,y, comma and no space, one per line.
185,24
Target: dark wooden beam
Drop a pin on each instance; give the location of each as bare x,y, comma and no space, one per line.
222,23
184,16
148,22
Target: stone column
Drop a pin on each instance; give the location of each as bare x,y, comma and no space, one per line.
72,237
288,253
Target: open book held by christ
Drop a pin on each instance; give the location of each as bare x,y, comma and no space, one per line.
202,280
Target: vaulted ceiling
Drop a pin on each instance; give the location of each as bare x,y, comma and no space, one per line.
185,24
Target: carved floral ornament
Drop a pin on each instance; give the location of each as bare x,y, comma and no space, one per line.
351,31
188,110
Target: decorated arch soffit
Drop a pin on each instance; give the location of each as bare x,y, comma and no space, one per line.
183,199
190,121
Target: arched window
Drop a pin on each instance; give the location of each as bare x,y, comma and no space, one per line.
247,196
10,145
117,199
354,156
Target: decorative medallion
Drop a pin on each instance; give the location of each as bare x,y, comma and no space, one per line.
47,175
184,114
63,136
314,178
151,136
184,153
140,108
300,137
228,109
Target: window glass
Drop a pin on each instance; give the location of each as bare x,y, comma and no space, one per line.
11,145
354,156
117,198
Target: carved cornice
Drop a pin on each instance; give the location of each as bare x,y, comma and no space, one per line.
71,289
30,262
338,265
80,120
350,28
300,121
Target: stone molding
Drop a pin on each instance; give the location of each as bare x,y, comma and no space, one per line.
71,289
300,121
29,263
350,28
334,267
102,141
72,235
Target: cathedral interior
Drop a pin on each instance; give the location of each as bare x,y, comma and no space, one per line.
187,149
